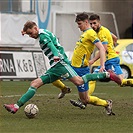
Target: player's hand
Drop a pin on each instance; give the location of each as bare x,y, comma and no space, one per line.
91,62
56,58
22,32
102,69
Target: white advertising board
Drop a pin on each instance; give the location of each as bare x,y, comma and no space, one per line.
39,63
24,64
21,64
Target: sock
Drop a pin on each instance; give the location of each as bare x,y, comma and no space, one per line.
59,84
94,76
125,82
16,106
92,85
27,96
97,101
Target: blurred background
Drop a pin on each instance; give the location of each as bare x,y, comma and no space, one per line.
22,58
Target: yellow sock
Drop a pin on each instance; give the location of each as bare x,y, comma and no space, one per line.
125,82
59,84
97,101
92,85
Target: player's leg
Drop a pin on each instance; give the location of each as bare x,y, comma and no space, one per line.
92,85
13,108
83,94
59,84
85,99
35,84
64,89
48,77
115,66
101,102
127,82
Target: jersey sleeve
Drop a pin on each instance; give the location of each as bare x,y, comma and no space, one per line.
103,38
93,37
47,42
53,48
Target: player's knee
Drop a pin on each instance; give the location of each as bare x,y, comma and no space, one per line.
79,81
33,83
36,83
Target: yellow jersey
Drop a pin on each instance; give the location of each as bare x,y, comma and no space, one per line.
106,38
84,48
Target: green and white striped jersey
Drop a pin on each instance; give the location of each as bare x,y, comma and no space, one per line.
51,46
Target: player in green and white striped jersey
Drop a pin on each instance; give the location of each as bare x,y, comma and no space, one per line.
60,67
51,47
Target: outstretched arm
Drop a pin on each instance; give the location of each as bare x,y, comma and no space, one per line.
101,55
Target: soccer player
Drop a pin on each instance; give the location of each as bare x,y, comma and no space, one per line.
60,67
112,59
80,62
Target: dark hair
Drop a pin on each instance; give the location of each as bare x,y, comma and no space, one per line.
29,25
94,17
81,17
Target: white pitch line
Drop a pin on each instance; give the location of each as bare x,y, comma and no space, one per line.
40,95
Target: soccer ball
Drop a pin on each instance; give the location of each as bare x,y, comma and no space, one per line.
31,110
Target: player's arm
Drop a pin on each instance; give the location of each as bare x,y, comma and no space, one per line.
100,54
97,56
54,51
47,41
114,39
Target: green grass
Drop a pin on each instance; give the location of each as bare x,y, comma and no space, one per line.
59,116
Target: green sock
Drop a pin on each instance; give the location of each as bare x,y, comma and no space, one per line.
93,77
27,96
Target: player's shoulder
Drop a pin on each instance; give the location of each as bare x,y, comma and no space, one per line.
43,33
104,29
91,32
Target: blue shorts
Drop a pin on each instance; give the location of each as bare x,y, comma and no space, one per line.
113,64
82,71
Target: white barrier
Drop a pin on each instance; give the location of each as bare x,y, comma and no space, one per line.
23,65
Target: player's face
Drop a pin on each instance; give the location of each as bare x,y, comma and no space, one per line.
82,25
95,24
33,32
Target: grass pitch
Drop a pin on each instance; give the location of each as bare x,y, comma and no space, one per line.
59,116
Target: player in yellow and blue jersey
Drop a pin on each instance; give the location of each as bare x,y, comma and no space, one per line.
80,62
112,58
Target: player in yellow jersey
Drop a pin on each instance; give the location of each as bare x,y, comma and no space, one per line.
80,62
112,60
